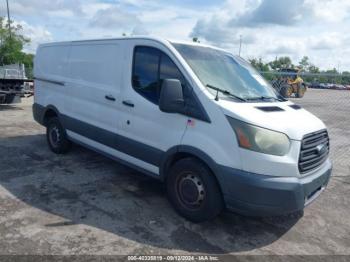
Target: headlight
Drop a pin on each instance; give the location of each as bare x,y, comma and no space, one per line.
260,139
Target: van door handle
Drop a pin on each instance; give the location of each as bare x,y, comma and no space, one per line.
128,103
110,97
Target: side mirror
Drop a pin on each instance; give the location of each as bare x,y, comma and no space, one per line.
171,96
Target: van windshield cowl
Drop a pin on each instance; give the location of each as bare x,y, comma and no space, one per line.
230,73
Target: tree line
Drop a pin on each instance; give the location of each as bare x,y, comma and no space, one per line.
305,66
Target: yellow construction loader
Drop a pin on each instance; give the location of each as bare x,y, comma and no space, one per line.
289,82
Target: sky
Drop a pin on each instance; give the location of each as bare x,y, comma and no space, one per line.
269,28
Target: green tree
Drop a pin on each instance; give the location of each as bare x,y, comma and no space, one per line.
313,69
330,76
346,78
259,65
11,46
282,62
262,67
255,63
304,63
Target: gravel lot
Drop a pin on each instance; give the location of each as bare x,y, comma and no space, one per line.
84,203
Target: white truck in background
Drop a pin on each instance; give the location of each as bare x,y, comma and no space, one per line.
14,83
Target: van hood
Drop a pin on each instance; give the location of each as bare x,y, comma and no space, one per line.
279,116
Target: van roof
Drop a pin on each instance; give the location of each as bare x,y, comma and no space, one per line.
154,38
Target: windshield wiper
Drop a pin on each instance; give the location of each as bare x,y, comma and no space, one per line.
281,98
264,98
225,92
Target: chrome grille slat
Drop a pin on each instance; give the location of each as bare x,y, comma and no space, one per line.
306,151
316,137
316,143
315,159
310,153
310,157
313,166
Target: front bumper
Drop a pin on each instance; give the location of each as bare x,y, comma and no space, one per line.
259,195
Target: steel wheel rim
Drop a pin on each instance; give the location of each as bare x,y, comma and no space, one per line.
190,191
54,136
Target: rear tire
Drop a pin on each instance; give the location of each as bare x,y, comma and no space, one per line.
56,137
301,91
193,191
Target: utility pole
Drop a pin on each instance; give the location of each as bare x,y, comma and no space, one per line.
240,45
8,17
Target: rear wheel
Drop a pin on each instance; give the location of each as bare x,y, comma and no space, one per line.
56,136
301,91
193,190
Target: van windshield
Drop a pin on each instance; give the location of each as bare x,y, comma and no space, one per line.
222,70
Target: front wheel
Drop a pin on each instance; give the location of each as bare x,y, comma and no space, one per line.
56,137
286,91
193,191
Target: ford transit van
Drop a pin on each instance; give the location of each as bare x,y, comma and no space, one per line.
196,117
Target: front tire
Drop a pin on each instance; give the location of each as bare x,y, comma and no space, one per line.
286,91
193,191
56,137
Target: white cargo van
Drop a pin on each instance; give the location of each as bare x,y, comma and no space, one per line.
196,117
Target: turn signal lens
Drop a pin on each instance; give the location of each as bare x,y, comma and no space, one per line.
243,139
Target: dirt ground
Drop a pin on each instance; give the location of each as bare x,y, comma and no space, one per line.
84,203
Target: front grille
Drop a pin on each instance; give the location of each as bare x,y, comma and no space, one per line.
314,151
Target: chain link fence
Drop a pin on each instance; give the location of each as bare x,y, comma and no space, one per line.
328,97
314,80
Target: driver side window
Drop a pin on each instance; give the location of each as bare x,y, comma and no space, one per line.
150,67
